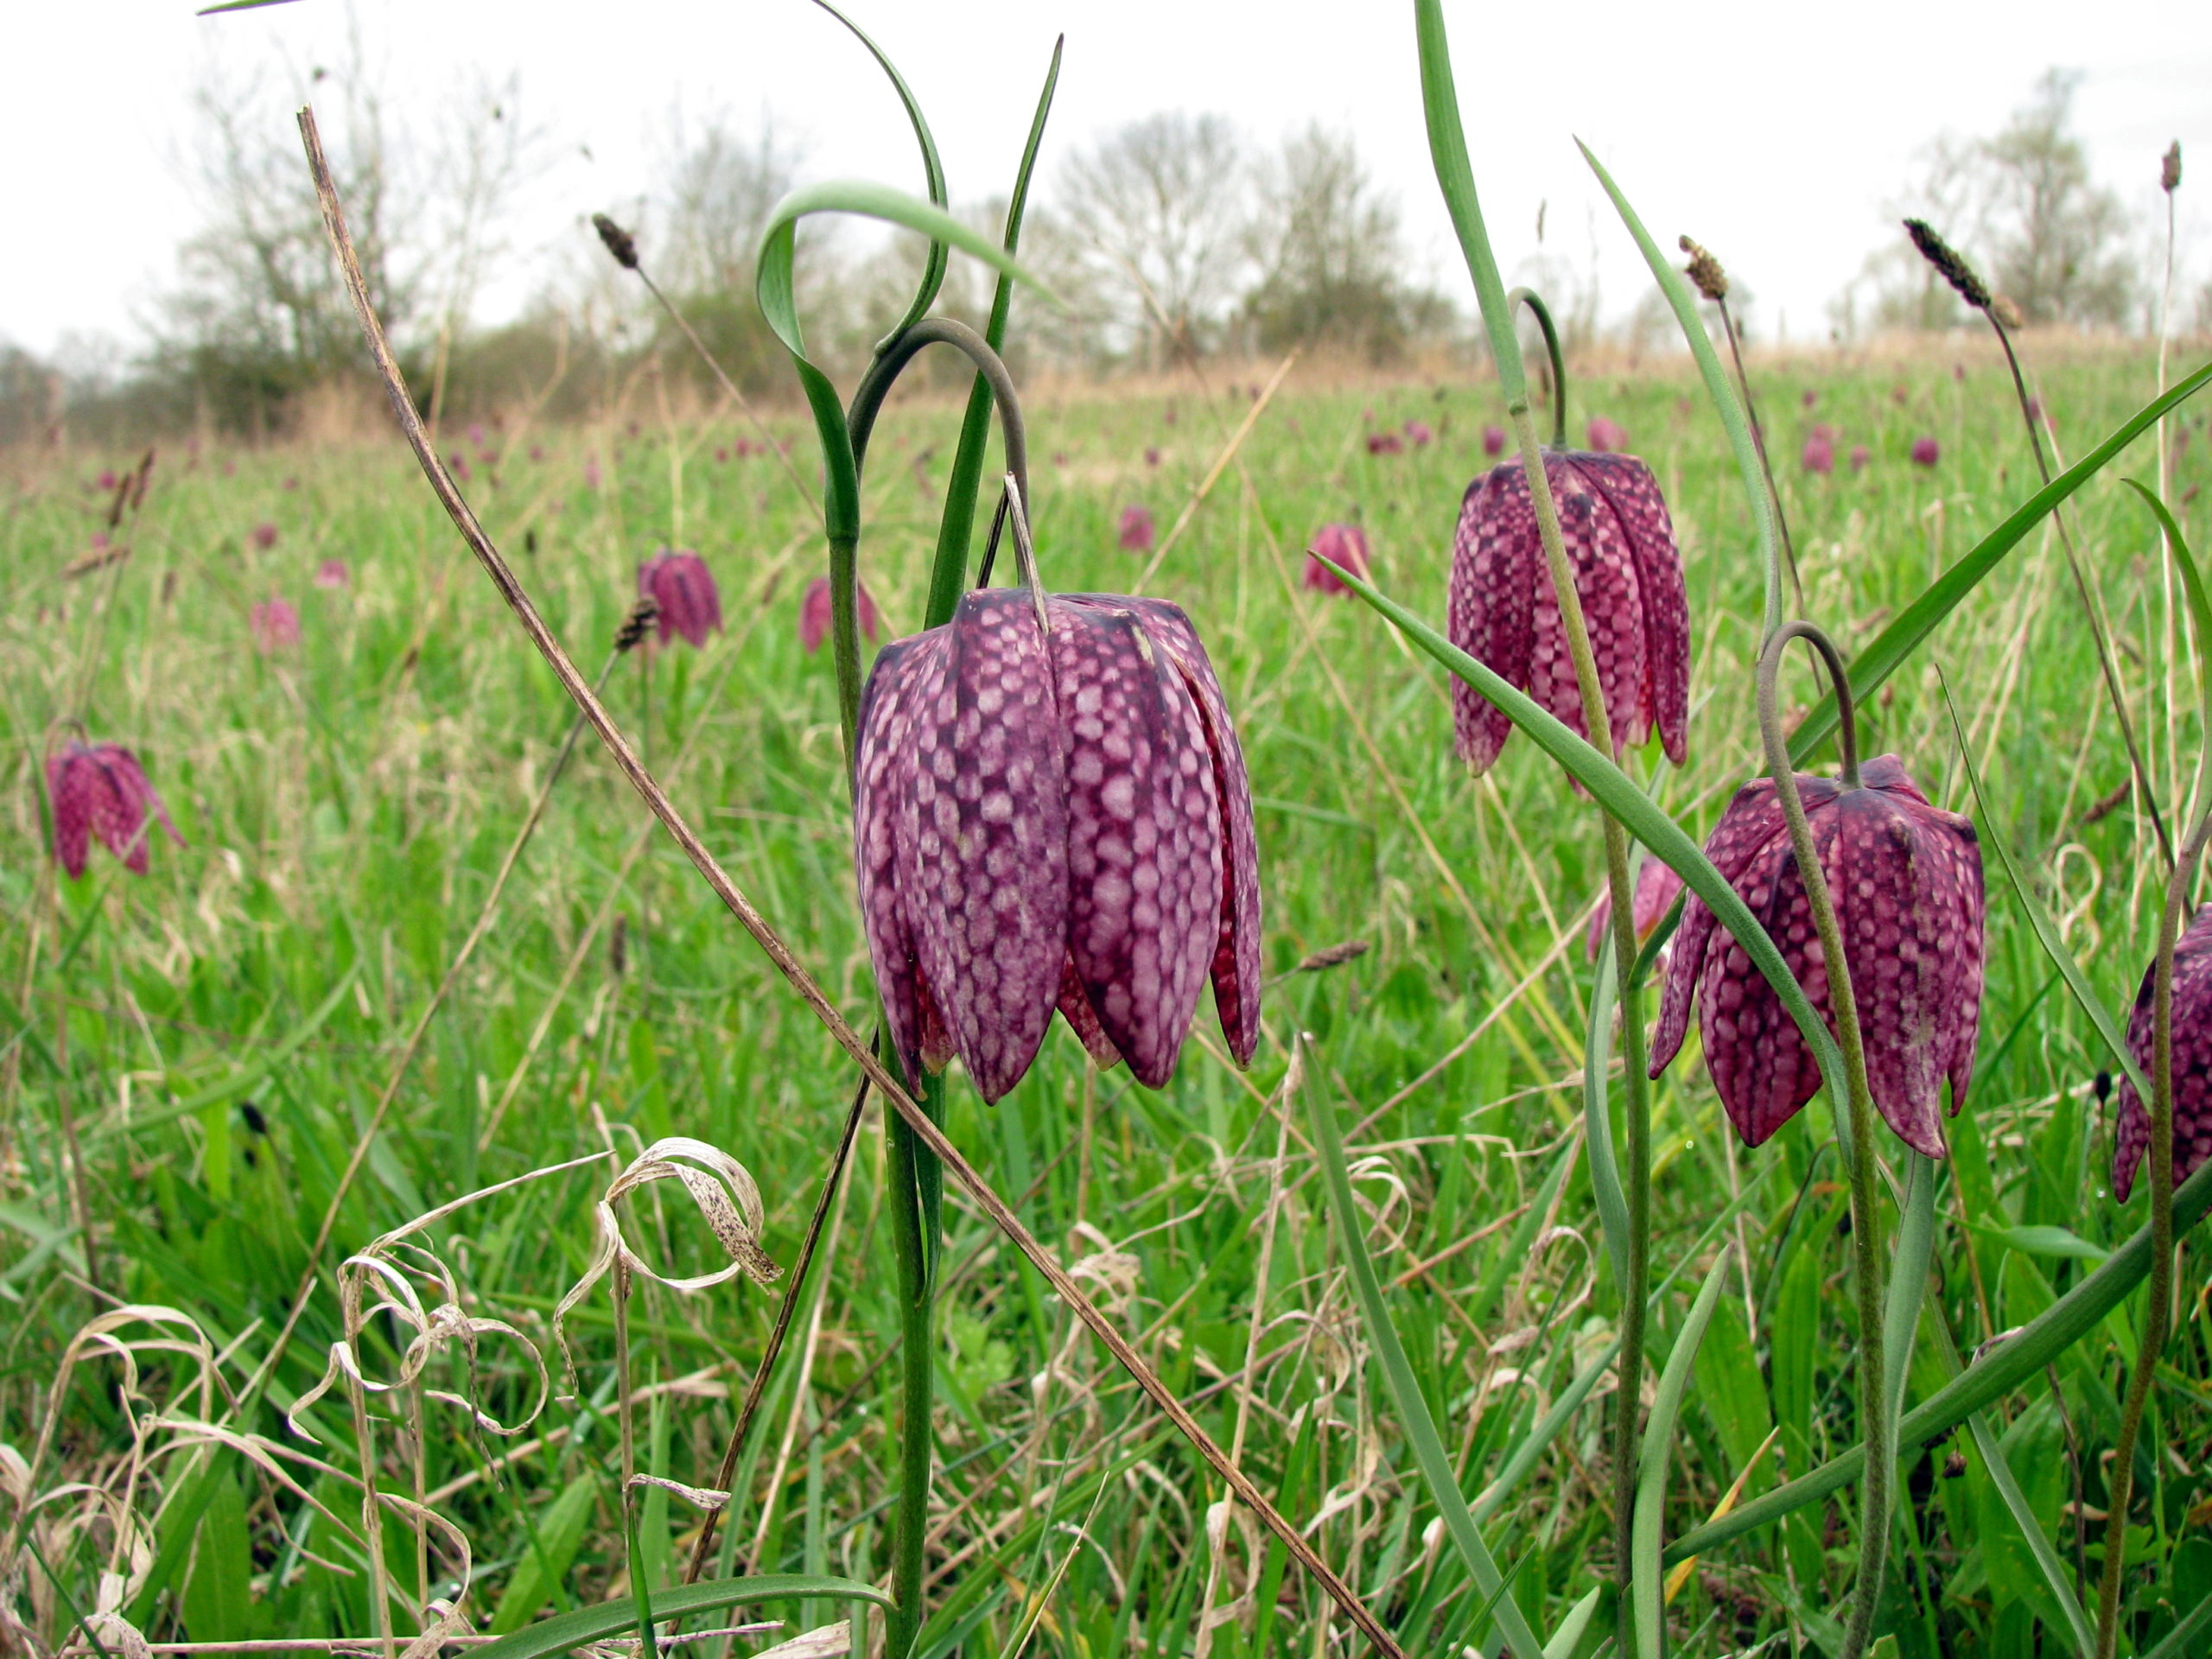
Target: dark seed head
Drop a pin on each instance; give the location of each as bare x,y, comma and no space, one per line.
2170,169
1704,272
619,242
638,623
1949,262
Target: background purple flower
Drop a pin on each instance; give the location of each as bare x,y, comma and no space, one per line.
1925,452
1493,441
1136,529
1343,544
100,790
1607,437
1859,457
2192,1068
1820,455
814,614
264,535
276,625
332,573
681,586
1420,433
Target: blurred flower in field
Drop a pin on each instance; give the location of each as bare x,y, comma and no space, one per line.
106,479
591,474
1925,452
2192,1066
1811,398
1656,884
1820,455
1959,372
1420,433
276,625
457,464
721,453
332,573
1136,529
264,535
99,789
291,483
1503,612
538,452
1493,440
1859,457
1343,544
1906,881
1608,437
1152,455
814,614
681,586
1384,443
1054,817
476,432
1899,394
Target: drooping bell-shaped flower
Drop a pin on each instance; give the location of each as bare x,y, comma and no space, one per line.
2192,1067
1504,613
99,789
332,573
276,625
1820,455
1607,437
1493,441
1135,533
1051,812
680,583
1926,452
1344,545
1656,884
814,614
1905,878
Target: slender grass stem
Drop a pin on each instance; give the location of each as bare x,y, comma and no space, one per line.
1758,443
910,1247
2156,1308
1878,1415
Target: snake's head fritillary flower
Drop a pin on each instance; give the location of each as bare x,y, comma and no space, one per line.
99,789
2192,1067
1051,812
681,586
1859,457
332,573
1152,455
1420,433
1656,884
1905,878
814,614
1608,437
1384,443
1926,452
276,625
1493,441
1627,574
1820,456
265,535
1344,546
1135,531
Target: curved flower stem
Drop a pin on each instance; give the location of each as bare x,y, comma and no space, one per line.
1876,1411
1635,1292
1529,297
2156,1309
2135,761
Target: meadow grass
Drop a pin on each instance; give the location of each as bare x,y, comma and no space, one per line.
347,802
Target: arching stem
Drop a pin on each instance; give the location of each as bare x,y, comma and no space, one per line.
1529,297
911,1173
1876,1416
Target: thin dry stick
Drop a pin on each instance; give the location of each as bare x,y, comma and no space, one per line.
794,972
1213,475
632,631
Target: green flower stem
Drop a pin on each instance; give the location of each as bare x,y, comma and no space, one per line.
1629,1395
1529,297
1875,1406
910,1246
2156,1309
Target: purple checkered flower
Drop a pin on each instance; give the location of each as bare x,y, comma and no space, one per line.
681,586
1052,813
1926,452
1502,610
1344,546
1905,878
1136,532
814,614
99,789
2192,1067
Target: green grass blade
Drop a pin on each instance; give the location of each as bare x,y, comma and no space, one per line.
2023,1516
568,1631
1733,420
1925,614
1651,1470
1908,1277
1597,1121
2039,921
1516,1252
2181,1640
2200,608
933,268
1568,1637
1434,1462
2049,1334
773,285
956,529
1618,793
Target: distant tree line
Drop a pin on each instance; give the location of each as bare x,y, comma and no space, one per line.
1173,236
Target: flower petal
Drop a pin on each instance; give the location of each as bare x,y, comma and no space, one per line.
1761,1068
2192,1066
1144,832
901,691
988,872
1628,487
1752,821
1495,562
1083,1019
1888,911
1612,608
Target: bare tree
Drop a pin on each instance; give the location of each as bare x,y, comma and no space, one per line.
1156,212
722,186
1327,249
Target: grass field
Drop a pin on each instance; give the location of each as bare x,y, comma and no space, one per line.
215,1037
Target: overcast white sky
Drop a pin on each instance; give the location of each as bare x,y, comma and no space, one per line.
1773,133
